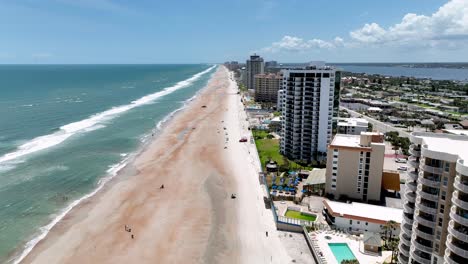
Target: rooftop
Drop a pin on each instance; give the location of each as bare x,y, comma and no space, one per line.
345,140
456,145
353,122
316,176
364,212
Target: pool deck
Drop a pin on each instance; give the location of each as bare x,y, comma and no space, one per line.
354,243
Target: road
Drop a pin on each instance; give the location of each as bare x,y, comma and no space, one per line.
377,125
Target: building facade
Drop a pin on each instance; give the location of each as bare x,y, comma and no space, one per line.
360,218
435,201
355,166
254,66
352,126
307,110
266,87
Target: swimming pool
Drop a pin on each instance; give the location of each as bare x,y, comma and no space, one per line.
341,251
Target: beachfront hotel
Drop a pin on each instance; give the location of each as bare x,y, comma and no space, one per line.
307,110
254,66
355,166
435,206
266,87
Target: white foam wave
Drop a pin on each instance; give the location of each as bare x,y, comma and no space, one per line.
112,172
66,131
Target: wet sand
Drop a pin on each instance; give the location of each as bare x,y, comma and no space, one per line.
193,219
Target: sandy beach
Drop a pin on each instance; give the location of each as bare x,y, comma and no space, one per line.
199,160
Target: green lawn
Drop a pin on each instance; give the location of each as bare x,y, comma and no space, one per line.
298,215
269,149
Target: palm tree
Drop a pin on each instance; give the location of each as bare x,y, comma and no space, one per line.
388,231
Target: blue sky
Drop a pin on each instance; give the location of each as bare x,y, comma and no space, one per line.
131,31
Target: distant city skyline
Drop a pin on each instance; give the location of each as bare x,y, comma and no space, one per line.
124,31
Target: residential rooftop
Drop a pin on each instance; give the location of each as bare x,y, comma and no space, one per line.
454,145
353,122
364,212
352,141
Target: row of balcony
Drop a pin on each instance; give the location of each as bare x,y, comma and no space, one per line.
420,245
426,221
408,208
420,233
428,180
402,258
410,196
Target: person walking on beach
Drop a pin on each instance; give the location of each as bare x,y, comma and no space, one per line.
133,236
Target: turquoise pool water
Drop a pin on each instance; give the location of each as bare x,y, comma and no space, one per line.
341,251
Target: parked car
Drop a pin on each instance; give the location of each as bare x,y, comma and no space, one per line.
244,139
399,160
402,168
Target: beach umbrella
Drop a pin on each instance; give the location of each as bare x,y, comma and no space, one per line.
280,188
274,187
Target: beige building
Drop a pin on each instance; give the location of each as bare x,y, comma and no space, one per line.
435,202
355,165
266,87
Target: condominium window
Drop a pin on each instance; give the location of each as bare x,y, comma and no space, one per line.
447,166
438,234
367,223
445,181
442,207
442,196
350,222
440,221
436,248
358,222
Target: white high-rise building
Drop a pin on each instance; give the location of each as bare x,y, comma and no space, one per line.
254,65
307,111
434,229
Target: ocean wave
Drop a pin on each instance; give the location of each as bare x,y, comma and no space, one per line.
112,172
89,124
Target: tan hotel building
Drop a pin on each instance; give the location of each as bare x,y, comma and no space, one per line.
355,165
266,87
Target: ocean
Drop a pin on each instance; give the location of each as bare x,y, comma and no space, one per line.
65,130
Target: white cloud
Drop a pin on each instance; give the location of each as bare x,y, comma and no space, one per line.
295,44
447,28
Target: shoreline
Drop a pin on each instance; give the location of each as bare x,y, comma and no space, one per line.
115,173
199,160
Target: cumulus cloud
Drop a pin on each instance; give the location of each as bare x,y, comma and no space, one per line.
447,27
295,44
448,24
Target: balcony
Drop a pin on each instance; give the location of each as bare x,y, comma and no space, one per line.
461,233
415,151
429,181
404,249
432,169
410,196
425,207
418,244
413,163
402,258
405,239
407,208
412,174
462,186
406,228
426,195
421,257
411,185
423,234
424,221
458,218
407,221
456,248
451,259
458,202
